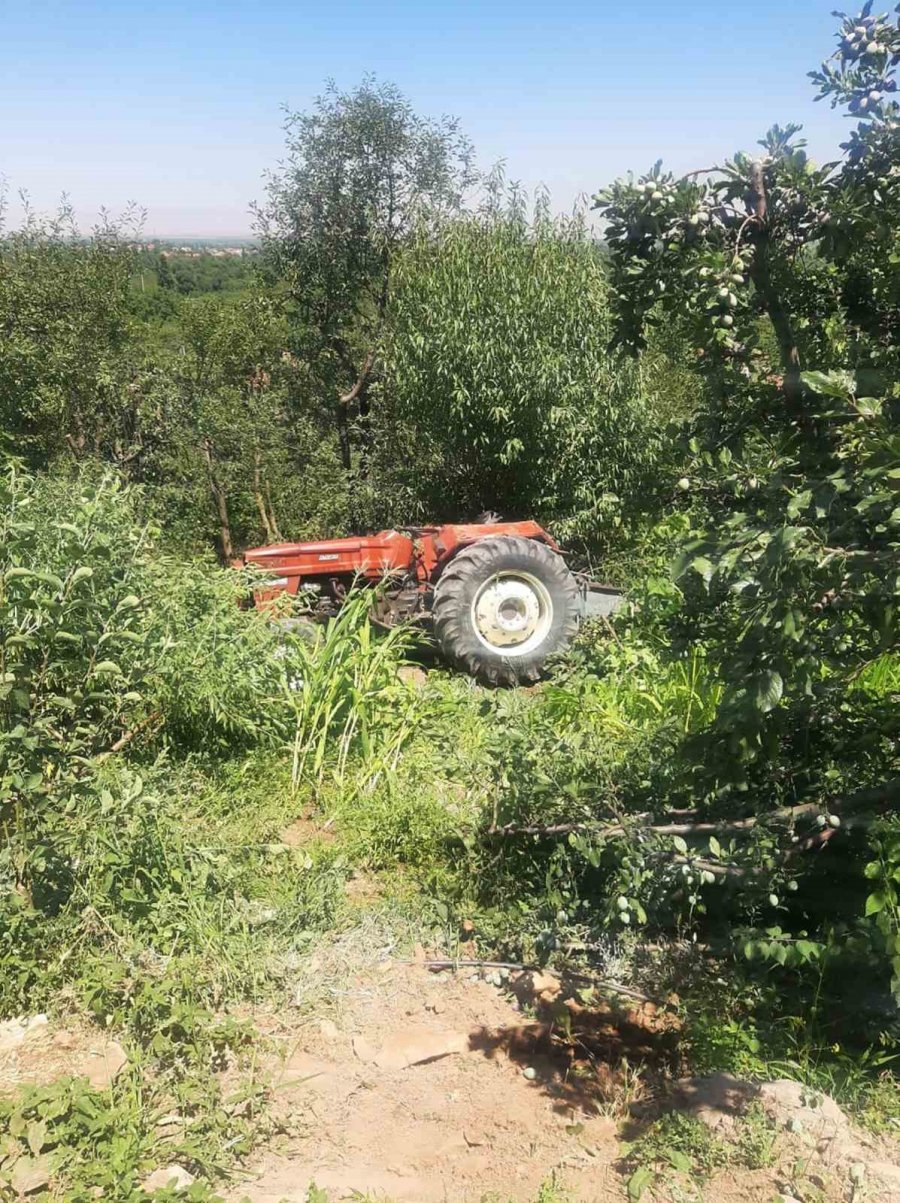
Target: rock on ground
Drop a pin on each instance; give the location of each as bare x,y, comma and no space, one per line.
172,1176
35,1052
811,1116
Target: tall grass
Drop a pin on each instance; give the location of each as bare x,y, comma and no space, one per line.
880,676
350,707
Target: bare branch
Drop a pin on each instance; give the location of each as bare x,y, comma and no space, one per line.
361,381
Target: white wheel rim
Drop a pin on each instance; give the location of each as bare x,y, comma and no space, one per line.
512,613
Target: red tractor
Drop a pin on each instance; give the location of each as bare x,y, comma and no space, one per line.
500,595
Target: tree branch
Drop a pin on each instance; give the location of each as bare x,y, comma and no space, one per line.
361,381
875,799
124,740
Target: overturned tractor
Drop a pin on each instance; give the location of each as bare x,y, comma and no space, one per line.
500,595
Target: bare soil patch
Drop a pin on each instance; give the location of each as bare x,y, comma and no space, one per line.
35,1052
436,1088
421,1095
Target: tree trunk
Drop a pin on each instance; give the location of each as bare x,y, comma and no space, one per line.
273,521
220,501
356,393
343,427
761,274
260,499
781,322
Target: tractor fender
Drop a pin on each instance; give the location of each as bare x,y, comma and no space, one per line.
449,540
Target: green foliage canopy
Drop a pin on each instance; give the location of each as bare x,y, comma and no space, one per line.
500,392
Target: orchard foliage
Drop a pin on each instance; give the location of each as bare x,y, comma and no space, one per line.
786,274
499,386
802,451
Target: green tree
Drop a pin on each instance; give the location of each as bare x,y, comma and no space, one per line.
499,390
239,446
787,275
67,361
165,277
360,171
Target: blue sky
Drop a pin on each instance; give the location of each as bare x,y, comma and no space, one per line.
176,105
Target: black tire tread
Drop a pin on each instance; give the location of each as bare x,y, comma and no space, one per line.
451,605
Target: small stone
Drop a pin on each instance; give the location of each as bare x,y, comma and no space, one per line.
529,1072
101,1065
30,1174
171,1176
14,1031
418,1047
412,675
545,986
328,1028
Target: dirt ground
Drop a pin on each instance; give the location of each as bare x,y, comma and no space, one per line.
418,1097
436,1088
443,1087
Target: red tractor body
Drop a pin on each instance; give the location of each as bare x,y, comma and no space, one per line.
500,595
417,552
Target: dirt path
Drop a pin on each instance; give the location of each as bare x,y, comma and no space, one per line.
424,1087
421,1096
435,1088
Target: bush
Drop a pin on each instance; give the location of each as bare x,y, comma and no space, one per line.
500,392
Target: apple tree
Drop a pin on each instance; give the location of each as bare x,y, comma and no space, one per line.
787,275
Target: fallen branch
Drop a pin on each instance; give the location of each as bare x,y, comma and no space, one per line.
877,799
516,966
619,829
124,740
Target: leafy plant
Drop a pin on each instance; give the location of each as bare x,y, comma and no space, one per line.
676,1142
498,381
789,575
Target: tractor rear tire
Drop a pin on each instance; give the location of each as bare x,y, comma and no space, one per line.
503,606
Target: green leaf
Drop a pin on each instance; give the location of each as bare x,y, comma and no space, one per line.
830,384
679,843
703,567
107,668
876,902
768,691
680,1161
642,1177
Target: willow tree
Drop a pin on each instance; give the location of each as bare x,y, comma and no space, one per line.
499,388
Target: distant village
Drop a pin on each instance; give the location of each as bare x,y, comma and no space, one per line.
196,248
